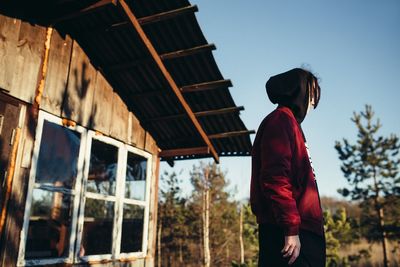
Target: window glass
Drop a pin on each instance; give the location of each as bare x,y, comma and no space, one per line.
97,227
132,228
102,168
49,225
135,183
58,156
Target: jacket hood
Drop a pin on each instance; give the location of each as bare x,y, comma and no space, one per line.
290,89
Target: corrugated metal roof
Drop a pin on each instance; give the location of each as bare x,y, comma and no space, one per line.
115,47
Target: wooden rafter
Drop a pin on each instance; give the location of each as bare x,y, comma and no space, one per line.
167,15
197,114
94,7
184,152
211,136
145,20
188,89
230,134
168,77
166,56
218,111
188,52
206,86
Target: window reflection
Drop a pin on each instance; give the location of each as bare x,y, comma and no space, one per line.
135,184
97,227
102,168
49,225
58,156
132,228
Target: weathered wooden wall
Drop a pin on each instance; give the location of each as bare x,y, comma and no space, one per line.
73,89
21,55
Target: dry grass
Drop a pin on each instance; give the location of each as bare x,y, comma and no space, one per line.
375,250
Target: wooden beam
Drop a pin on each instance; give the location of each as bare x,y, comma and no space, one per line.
84,11
167,15
230,134
189,88
184,152
188,52
218,111
143,20
197,114
168,77
206,86
166,56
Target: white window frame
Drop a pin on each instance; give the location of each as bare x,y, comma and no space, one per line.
108,140
143,203
79,196
33,185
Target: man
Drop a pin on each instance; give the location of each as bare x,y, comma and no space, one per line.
284,194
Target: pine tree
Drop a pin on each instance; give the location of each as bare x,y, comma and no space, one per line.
371,167
250,236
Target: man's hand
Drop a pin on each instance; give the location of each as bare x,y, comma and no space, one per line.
291,248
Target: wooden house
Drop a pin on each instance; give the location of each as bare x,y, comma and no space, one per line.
93,94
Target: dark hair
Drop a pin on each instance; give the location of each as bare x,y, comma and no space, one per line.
316,90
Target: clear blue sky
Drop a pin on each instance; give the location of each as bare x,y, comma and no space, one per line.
353,46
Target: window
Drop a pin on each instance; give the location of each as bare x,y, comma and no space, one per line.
88,197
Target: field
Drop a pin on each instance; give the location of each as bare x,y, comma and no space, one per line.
375,249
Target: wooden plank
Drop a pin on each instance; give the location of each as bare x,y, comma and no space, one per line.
188,52
21,52
153,212
167,15
168,77
119,119
16,205
230,134
9,31
218,111
166,56
77,103
151,145
102,106
134,128
57,73
184,152
137,135
197,114
206,86
84,11
143,20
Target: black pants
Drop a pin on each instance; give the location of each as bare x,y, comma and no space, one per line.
272,241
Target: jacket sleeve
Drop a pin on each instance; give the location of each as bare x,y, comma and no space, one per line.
275,176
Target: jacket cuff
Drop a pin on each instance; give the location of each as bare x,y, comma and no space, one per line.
289,230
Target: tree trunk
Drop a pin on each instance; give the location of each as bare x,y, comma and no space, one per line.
383,236
241,236
180,253
159,245
206,219
379,211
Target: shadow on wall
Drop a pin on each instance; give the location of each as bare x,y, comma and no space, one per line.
69,108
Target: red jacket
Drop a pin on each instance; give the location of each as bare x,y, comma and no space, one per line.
283,187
